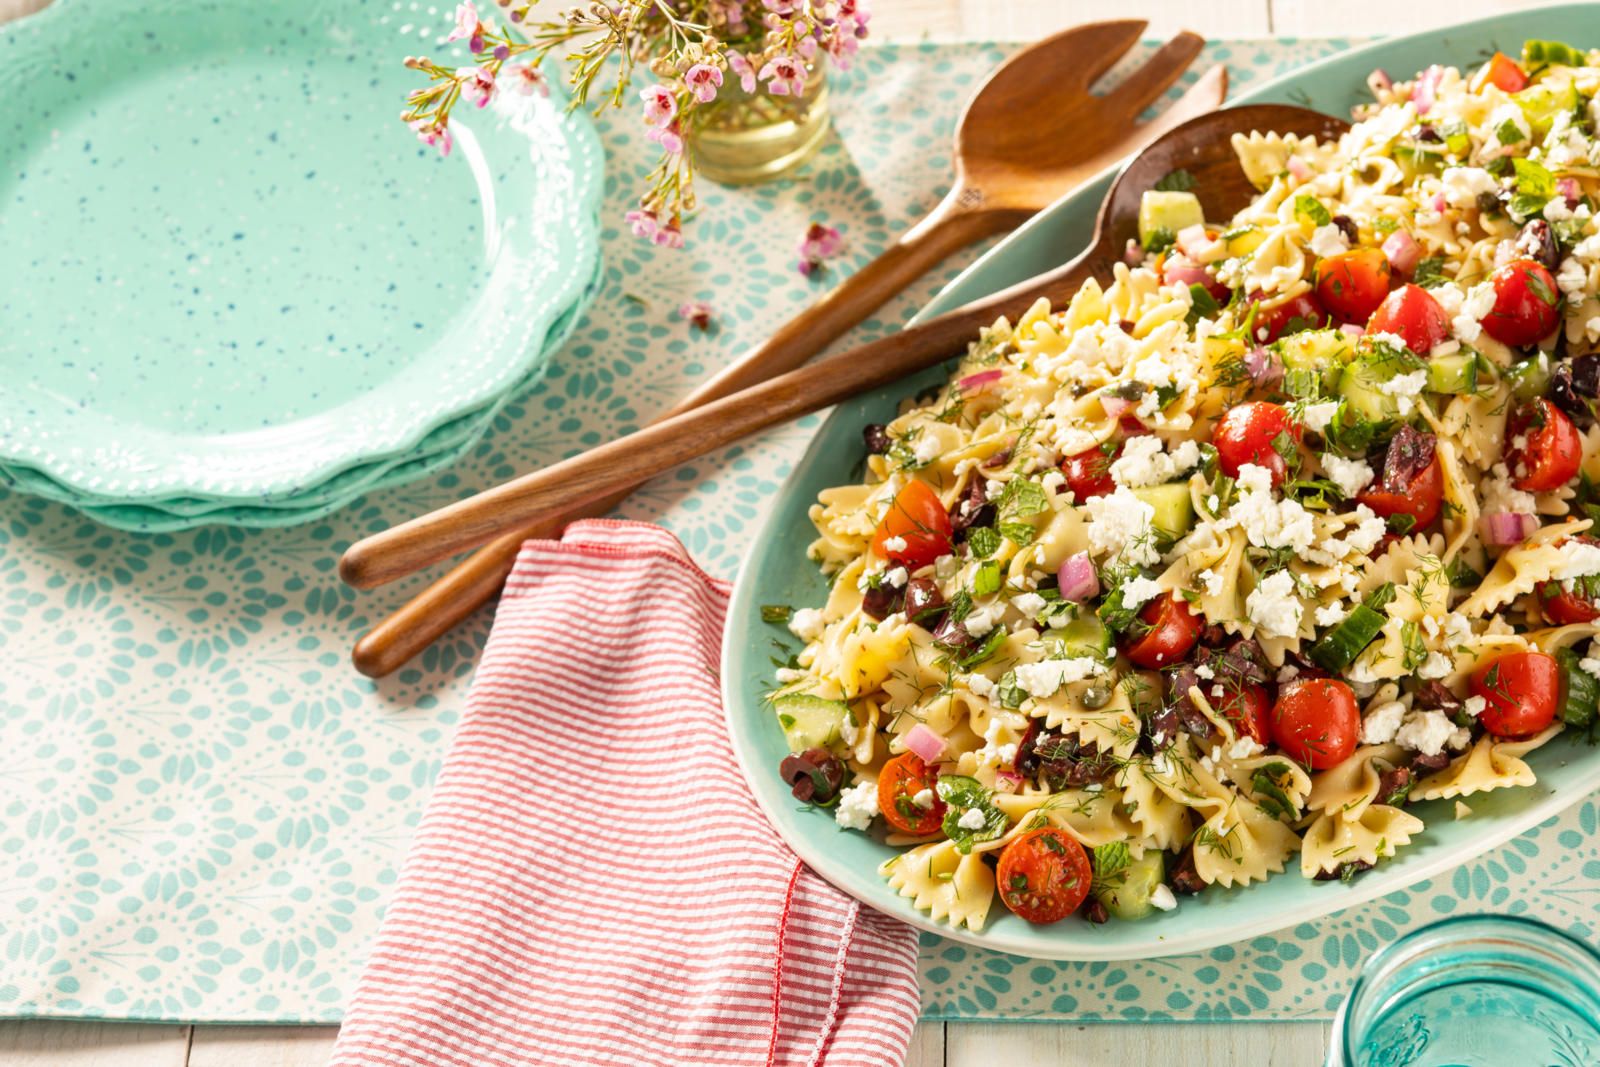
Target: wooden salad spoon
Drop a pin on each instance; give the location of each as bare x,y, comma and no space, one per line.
1200,146
1031,133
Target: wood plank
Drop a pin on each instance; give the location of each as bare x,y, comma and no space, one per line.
1301,18
912,20
262,1046
975,1044
53,1043
927,1046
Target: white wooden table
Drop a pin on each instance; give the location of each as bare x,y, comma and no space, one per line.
61,1044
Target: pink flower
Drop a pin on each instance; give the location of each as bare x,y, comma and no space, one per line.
432,134
670,235
468,25
740,64
703,81
697,313
528,80
660,106
670,138
784,75
730,13
781,7
644,223
477,84
820,243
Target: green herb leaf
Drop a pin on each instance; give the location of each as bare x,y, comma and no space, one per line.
1111,863
1202,305
1159,239
964,794
776,613
1020,534
983,541
1311,208
1178,181
983,652
1430,272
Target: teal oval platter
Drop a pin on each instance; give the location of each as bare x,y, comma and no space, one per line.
776,571
233,275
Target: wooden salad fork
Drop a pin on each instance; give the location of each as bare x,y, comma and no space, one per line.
1200,146
1031,133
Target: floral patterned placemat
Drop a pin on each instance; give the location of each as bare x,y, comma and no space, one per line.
202,806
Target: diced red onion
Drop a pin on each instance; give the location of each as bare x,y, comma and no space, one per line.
1263,366
1194,242
1425,89
976,383
1350,329
1402,252
1114,405
1568,187
1077,578
1298,169
1007,781
1132,254
1508,528
1181,270
925,743
1380,81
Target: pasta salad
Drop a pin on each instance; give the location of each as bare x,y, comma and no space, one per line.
1222,566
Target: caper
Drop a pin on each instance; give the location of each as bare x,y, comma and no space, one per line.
1097,695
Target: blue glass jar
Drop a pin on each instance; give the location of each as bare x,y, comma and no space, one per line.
1474,991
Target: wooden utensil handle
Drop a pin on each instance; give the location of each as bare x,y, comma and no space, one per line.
630,460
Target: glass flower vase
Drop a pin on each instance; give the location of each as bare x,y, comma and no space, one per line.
744,138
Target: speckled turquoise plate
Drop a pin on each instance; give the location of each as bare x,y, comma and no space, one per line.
777,572
232,274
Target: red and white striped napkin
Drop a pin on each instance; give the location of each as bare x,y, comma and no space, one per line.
592,882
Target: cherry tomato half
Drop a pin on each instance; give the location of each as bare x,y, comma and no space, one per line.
1089,473
1527,304
1352,284
1245,434
1543,449
1291,316
1403,488
1316,722
901,781
1174,629
1522,691
918,518
1043,875
1413,315
1561,606
1246,706
1501,71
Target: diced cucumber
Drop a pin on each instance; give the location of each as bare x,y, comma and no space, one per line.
1342,644
1126,893
1551,53
1322,351
1541,103
1580,693
1084,636
1174,508
1530,378
1361,386
810,721
1416,160
1456,373
1168,213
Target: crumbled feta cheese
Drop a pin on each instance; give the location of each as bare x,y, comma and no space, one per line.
1288,673
1328,241
924,799
1498,494
1030,604
1210,581
1462,185
1041,680
1316,417
925,449
857,806
1143,462
1475,705
1203,670
894,544
1437,665
1506,113
971,819
1244,748
1380,724
1579,559
1403,387
1160,764
1268,523
1331,614
980,686
1161,898
1572,278
1273,606
1430,732
896,577
1476,303
1350,475
1368,531
806,624
1119,526
789,674
980,621
1052,481
1136,591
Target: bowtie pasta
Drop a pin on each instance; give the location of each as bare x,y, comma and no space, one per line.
1229,560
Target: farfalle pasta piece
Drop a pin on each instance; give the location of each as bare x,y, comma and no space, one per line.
1241,843
1521,568
1161,821
1352,786
1093,816
941,881
1489,764
1264,156
1334,839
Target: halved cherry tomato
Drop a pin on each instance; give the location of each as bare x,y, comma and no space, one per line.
1291,316
1245,434
1501,71
1560,605
1316,722
1411,482
1522,691
1413,315
1246,705
1043,875
1174,629
918,518
1527,304
1543,449
901,780
1352,284
1089,473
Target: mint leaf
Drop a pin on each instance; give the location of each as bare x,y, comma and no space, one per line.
1178,181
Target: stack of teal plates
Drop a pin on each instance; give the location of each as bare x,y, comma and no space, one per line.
236,290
